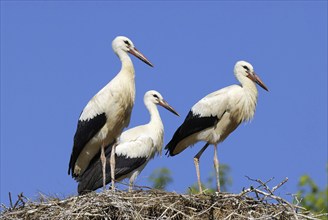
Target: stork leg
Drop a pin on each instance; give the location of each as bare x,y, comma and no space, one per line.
130,187
112,164
216,166
196,161
131,182
103,163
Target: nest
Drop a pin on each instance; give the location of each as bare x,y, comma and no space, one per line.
251,203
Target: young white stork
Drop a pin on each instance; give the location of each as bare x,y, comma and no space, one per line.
107,113
218,114
135,148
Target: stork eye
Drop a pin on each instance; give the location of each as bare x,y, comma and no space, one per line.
127,43
155,96
246,68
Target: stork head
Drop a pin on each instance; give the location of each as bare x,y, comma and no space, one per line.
243,68
124,44
156,98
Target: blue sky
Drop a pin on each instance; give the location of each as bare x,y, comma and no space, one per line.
56,55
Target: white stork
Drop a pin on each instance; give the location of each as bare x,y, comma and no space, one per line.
107,113
135,148
216,115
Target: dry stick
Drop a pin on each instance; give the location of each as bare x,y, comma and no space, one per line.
279,185
320,215
277,214
280,200
298,202
16,203
266,187
168,208
16,212
177,212
229,216
308,217
10,200
262,183
252,189
239,215
18,200
208,209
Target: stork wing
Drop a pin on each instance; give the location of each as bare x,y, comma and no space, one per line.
191,125
129,156
204,114
86,129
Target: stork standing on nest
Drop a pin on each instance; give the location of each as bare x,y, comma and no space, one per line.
218,114
135,148
107,113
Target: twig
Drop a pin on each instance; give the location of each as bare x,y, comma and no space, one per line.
262,183
308,217
279,185
167,208
10,200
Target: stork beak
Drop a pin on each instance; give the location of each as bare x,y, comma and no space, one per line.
257,79
139,55
167,106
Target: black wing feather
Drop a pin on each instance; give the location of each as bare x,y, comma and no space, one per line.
92,178
84,132
191,125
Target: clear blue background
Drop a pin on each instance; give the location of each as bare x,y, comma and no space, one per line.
56,55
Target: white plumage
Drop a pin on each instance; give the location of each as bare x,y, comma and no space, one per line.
218,114
135,148
107,113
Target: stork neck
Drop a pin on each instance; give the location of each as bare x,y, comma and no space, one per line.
248,85
155,118
249,99
157,128
127,65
